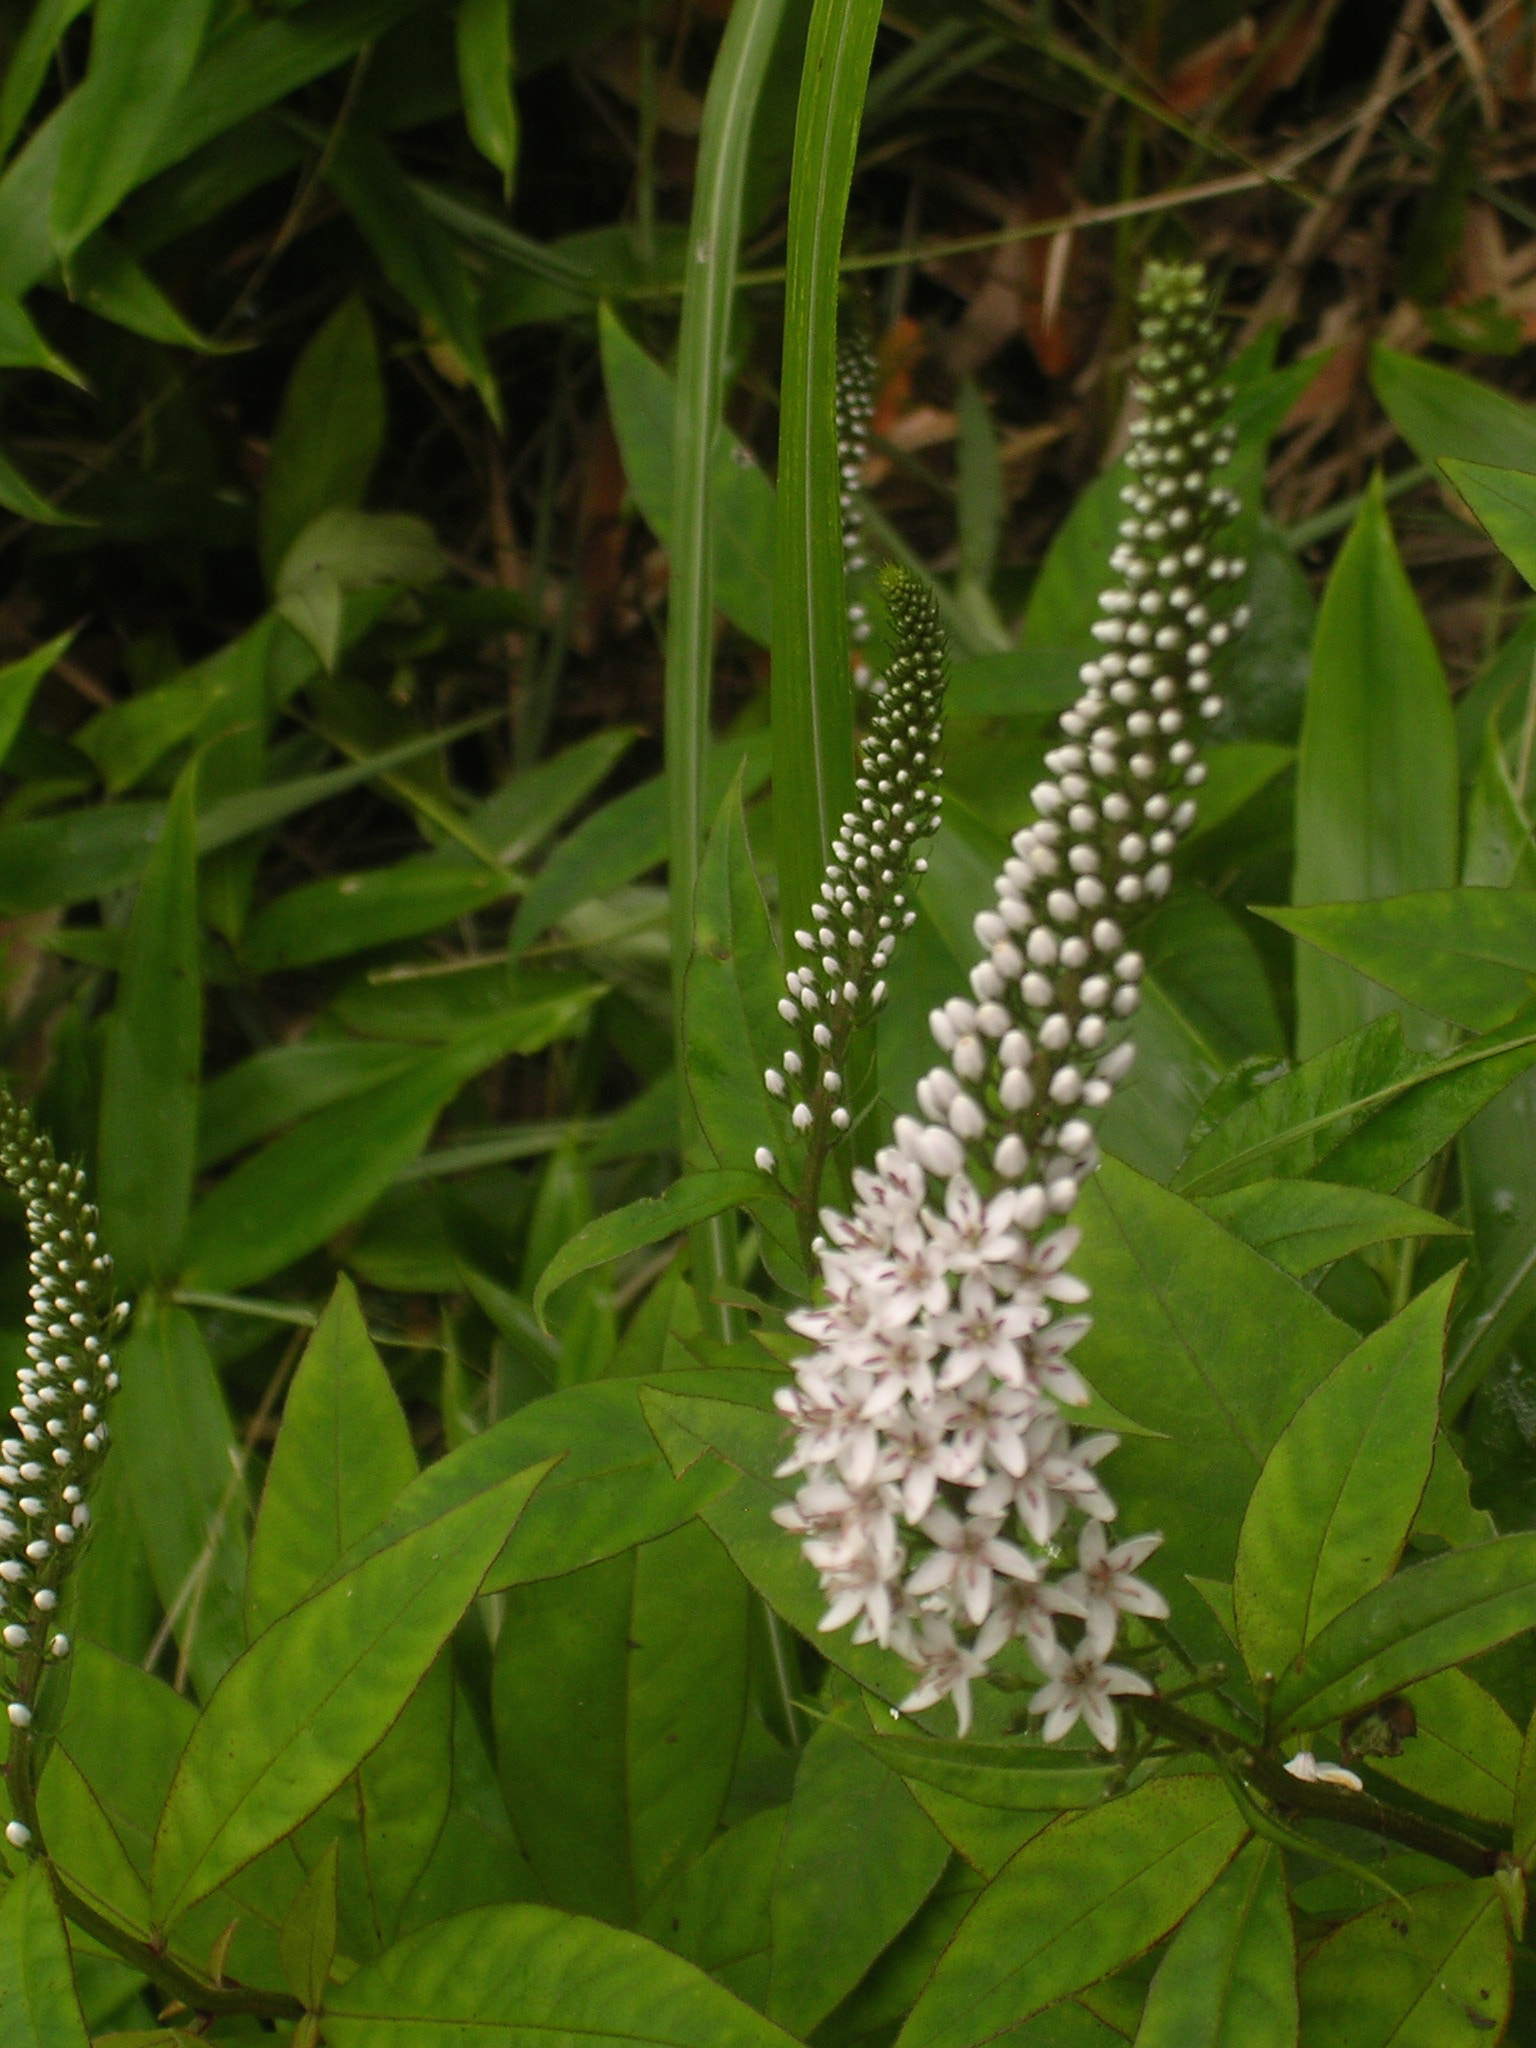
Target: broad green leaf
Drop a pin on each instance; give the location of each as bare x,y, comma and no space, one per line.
352,913
477,1860
307,1941
618,1701
1525,1795
610,1489
1434,1975
1504,500
127,741
1082,1898
333,1166
526,810
1365,1112
1338,1493
643,399
484,44
1199,1338
18,685
186,1475
27,66
417,255
1022,1777
1436,1614
1465,954
1304,1224
1376,800
142,54
276,1087
343,550
342,1455
329,432
518,1975
1063,599
857,1859
84,1845
715,1913
812,688
1229,1978
693,1199
1440,412
268,1751
1500,852
732,1030
1465,1753
148,1145
622,841
39,2007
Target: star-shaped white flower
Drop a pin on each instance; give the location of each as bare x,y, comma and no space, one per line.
961,1565
1081,1686
947,1669
1104,1584
982,1334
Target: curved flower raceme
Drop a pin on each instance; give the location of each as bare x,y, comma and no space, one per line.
947,1502
855,412
863,904
47,1467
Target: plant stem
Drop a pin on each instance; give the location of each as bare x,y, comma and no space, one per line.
1268,1775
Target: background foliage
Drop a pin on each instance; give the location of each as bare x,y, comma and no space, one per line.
341,465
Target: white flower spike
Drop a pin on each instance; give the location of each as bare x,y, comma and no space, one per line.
943,1485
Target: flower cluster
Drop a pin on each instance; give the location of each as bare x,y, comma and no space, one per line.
855,409
47,1467
863,904
942,1482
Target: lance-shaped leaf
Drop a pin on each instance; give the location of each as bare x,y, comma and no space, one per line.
1434,1975
1338,1493
309,1700
508,1976
39,2007
1076,1902
1465,954
1464,1753
1505,501
1229,1978
857,1859
1304,1224
329,432
693,1199
18,683
1426,1619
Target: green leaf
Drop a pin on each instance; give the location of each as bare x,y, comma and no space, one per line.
352,913
1077,1901
715,1913
26,501
276,1087
1436,1975
980,499
857,1859
812,687
1304,1224
1199,1338
85,1846
1338,1493
329,432
1525,1795
307,1940
342,1455
342,550
1434,1615
23,348
1465,954
417,255
1376,800
643,400
1027,682
618,1701
142,54
484,45
1011,1777
105,278
18,685
39,2007
268,1748
516,1975
1364,1112
1504,501
27,66
186,1474
148,1143
1465,1752
693,1199
328,1170
1229,1977
1500,851
1440,412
